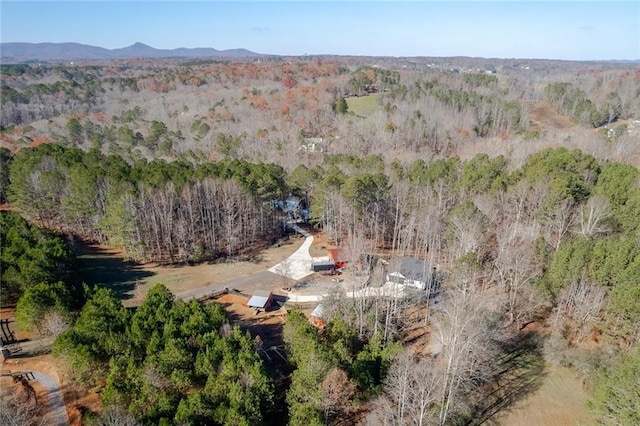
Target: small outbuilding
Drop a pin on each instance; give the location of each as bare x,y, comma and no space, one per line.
325,265
317,317
337,256
260,300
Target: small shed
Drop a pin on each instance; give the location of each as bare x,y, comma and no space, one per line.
260,300
317,317
325,265
336,255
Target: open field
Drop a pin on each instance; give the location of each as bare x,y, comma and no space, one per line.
364,106
101,265
560,401
543,116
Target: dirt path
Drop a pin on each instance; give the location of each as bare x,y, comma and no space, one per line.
43,376
57,411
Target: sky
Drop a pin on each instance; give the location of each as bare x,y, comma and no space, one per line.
571,30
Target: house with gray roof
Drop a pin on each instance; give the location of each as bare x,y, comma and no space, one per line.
411,272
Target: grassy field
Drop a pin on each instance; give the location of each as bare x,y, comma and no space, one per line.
104,266
364,106
560,401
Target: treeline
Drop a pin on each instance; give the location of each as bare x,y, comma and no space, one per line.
29,257
74,90
572,101
419,207
169,212
553,241
169,362
437,114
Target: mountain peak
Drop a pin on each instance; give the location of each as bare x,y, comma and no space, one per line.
139,44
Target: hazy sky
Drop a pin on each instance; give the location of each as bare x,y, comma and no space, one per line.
507,29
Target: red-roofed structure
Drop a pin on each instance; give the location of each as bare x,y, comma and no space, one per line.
336,255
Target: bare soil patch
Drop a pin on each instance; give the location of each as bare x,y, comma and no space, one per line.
41,363
543,115
77,400
266,324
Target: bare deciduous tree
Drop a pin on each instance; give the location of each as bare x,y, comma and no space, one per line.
582,301
412,389
558,222
54,324
20,408
114,415
338,390
593,216
515,271
463,329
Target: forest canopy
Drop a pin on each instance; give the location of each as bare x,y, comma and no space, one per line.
169,362
517,180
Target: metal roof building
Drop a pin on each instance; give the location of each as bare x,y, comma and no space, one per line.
260,300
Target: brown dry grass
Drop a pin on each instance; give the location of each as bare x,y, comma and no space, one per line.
560,401
543,116
132,282
178,279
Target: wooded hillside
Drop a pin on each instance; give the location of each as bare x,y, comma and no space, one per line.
517,180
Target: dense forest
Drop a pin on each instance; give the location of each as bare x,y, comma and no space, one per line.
520,181
160,211
170,362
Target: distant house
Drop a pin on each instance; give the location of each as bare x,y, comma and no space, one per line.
294,207
317,316
312,145
411,272
260,300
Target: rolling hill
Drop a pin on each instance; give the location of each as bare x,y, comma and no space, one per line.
22,52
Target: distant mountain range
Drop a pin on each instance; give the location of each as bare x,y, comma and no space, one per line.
22,52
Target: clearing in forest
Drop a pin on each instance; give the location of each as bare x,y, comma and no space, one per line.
544,116
560,401
104,266
364,106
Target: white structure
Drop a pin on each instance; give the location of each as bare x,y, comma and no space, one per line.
411,272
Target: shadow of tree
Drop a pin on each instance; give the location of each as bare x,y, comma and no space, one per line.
516,374
96,266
